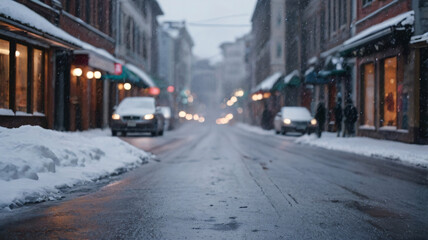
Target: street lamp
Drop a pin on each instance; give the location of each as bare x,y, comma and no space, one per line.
90,74
77,72
97,74
127,86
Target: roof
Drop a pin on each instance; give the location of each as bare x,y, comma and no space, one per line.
379,30
267,84
420,38
21,14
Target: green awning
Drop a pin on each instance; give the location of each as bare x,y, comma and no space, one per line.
291,80
126,76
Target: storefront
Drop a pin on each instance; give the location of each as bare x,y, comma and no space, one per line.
385,80
26,71
264,104
87,101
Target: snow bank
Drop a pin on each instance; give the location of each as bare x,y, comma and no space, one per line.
409,153
36,163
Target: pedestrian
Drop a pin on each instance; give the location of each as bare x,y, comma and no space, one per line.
351,117
338,116
320,116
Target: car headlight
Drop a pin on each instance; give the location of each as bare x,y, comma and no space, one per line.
287,121
115,116
149,116
314,122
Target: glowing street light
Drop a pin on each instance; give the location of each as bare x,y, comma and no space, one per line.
239,93
77,72
182,114
127,86
90,74
189,116
97,74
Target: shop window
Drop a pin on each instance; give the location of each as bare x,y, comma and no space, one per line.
38,83
389,93
4,74
368,94
21,55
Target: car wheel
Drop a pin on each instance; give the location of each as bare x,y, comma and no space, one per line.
161,133
154,134
277,132
124,134
114,133
283,132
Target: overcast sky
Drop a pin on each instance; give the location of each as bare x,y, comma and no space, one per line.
208,39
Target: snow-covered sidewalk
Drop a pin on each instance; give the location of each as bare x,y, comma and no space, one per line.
36,163
407,153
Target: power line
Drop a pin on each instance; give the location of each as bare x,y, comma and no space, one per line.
223,17
218,25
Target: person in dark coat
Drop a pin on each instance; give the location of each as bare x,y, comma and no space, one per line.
320,116
338,116
351,117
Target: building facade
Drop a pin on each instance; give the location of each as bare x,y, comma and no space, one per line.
67,50
233,71
268,33
175,61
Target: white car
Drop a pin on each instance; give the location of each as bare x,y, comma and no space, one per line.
137,114
294,119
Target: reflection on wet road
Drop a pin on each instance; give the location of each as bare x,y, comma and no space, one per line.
218,182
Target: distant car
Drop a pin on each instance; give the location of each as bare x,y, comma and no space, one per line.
166,111
137,114
294,119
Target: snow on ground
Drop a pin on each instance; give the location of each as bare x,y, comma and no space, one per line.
254,129
35,163
408,153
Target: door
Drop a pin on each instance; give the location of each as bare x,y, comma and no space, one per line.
62,90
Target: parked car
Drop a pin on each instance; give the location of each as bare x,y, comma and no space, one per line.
166,111
137,114
294,119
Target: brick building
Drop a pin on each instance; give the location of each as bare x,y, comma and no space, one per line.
63,52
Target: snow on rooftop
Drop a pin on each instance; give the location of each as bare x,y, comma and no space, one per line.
36,163
290,76
313,60
20,13
309,70
419,38
404,19
268,83
146,78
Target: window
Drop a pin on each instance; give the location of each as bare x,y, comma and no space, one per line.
144,46
367,2
369,92
77,8
88,11
21,55
38,84
389,93
4,74
278,50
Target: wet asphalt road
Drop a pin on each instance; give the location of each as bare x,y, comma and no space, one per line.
220,182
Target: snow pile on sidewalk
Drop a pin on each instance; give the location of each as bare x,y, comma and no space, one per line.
36,163
254,129
409,153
